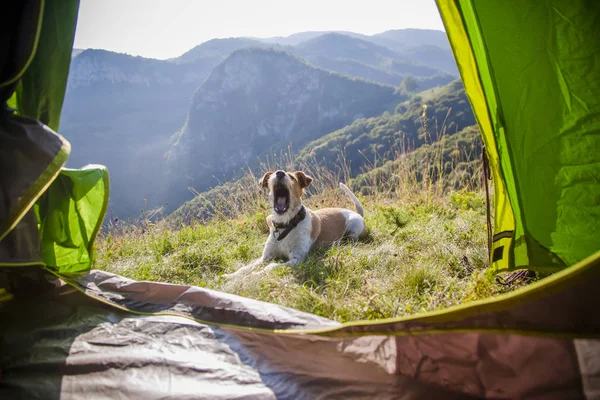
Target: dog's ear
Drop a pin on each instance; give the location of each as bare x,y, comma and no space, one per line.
303,179
264,181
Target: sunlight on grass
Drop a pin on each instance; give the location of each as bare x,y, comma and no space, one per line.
419,256
426,248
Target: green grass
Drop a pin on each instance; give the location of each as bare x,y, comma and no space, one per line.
426,249
421,254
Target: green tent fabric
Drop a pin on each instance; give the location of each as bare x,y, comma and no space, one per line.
49,215
70,214
40,46
531,72
41,89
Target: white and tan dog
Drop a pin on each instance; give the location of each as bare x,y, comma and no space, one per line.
294,228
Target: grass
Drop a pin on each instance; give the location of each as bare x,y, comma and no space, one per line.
426,248
421,254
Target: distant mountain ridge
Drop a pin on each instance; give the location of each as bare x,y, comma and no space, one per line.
300,37
358,57
90,66
217,49
337,45
127,112
405,38
390,52
398,38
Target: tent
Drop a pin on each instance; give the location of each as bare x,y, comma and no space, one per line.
530,70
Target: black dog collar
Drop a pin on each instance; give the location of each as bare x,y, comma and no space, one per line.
291,225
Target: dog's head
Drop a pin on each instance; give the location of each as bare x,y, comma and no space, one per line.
285,191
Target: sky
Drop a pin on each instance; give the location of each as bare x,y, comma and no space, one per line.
168,28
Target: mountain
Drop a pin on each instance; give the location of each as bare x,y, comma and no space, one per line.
163,125
391,139
367,60
216,50
338,46
426,78
419,46
297,38
448,111
401,39
120,111
91,66
259,101
398,39
424,46
434,57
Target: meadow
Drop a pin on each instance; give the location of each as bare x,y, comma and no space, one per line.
426,248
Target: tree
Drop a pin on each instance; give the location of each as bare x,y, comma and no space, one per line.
409,84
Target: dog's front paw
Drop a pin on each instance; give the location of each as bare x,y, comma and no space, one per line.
233,274
270,267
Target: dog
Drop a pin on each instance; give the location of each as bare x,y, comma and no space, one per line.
294,228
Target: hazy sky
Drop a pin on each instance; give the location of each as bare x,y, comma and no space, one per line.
168,28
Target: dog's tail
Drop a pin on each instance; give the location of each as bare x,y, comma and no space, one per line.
354,199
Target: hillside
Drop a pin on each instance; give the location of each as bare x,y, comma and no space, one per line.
264,101
421,255
346,53
362,58
91,67
425,77
426,247
414,163
453,161
370,144
433,56
335,45
216,50
120,111
448,111
424,46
